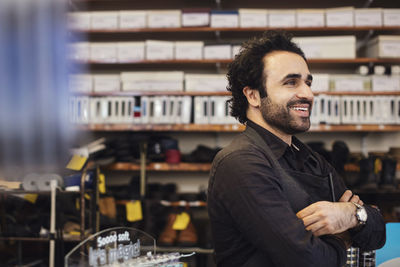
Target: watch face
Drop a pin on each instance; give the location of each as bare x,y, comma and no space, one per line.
362,215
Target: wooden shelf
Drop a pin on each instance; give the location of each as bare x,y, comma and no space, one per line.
364,60
161,166
221,93
163,128
38,239
238,29
229,128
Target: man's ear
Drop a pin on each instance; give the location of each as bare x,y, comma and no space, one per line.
253,96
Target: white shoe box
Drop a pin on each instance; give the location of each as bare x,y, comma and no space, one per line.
131,51
106,83
235,50
224,19
350,83
391,17
195,17
159,50
164,18
103,52
326,47
381,83
80,83
368,17
340,17
152,81
217,51
320,82
132,19
104,20
79,21
310,17
189,50
205,82
384,46
79,51
281,18
253,18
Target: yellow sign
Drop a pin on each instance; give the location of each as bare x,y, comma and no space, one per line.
134,211
76,163
102,183
181,222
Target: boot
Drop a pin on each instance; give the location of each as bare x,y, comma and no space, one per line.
168,235
368,178
388,173
188,236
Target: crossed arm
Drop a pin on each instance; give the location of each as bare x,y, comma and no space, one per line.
335,218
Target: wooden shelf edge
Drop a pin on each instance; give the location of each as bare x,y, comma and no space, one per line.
230,127
363,60
161,166
236,29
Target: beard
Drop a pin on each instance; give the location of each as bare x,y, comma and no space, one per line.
279,117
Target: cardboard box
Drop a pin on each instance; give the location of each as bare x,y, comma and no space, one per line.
350,83
328,46
368,17
159,50
249,18
106,83
382,83
164,18
103,52
196,17
384,46
224,19
81,83
217,51
391,17
310,17
189,50
205,82
79,21
282,18
320,82
131,51
340,17
104,20
152,81
132,19
79,51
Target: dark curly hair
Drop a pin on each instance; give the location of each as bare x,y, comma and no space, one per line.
247,69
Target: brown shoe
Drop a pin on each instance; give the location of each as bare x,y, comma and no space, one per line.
188,236
168,235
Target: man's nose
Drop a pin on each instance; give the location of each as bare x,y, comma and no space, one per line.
305,92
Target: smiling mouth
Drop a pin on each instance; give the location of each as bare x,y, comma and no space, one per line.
303,110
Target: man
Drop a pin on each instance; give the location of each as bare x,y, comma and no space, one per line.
271,200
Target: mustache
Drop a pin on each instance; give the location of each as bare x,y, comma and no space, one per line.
300,101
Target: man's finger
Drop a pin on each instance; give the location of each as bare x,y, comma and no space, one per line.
307,211
346,196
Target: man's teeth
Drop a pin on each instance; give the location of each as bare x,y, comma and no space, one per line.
299,108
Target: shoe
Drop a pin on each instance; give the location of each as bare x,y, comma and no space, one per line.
188,236
388,173
168,236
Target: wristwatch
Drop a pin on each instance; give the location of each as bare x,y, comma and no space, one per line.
361,214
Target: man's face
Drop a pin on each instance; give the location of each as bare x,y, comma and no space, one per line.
289,100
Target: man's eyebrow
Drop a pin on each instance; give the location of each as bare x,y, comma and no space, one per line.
296,76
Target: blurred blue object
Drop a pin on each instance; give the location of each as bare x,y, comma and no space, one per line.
34,127
389,255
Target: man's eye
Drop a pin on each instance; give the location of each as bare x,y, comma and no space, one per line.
291,82
309,83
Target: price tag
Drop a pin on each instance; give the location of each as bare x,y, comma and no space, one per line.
31,198
181,222
134,211
102,183
76,163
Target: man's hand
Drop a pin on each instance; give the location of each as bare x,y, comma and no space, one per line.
349,197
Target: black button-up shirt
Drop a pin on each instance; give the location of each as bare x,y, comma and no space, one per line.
253,215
